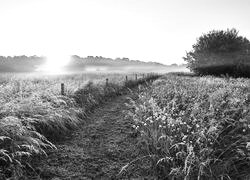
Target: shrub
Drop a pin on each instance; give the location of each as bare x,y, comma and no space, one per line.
220,52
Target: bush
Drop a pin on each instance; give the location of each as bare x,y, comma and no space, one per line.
220,52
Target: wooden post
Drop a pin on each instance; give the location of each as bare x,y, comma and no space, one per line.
136,77
126,79
107,82
62,89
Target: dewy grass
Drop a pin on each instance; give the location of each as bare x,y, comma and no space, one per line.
33,112
194,128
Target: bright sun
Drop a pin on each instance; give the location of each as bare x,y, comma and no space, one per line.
54,64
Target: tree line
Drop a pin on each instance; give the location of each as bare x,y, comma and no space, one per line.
20,63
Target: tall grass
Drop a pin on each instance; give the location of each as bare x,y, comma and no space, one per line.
193,128
33,113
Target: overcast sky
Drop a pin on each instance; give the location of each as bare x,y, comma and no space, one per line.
149,30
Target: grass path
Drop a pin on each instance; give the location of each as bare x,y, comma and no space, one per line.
97,150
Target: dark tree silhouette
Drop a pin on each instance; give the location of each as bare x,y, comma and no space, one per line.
220,52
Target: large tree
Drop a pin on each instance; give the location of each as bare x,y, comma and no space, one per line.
220,52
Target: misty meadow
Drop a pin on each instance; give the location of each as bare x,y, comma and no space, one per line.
141,90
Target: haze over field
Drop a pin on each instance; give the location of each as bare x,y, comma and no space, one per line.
149,30
125,89
76,64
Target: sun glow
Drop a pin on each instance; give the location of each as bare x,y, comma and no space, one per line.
55,64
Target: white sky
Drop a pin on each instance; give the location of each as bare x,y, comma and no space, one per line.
149,30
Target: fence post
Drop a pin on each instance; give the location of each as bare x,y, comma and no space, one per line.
126,79
62,89
107,82
136,77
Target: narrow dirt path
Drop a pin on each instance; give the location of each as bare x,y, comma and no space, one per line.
98,150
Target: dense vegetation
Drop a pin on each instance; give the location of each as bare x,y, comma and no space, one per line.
220,52
119,64
193,128
186,127
34,114
102,61
20,63
76,63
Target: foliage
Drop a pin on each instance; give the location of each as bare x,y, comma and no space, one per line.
220,52
193,128
20,63
99,61
18,141
33,113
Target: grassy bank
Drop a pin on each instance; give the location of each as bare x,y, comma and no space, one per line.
33,112
193,128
